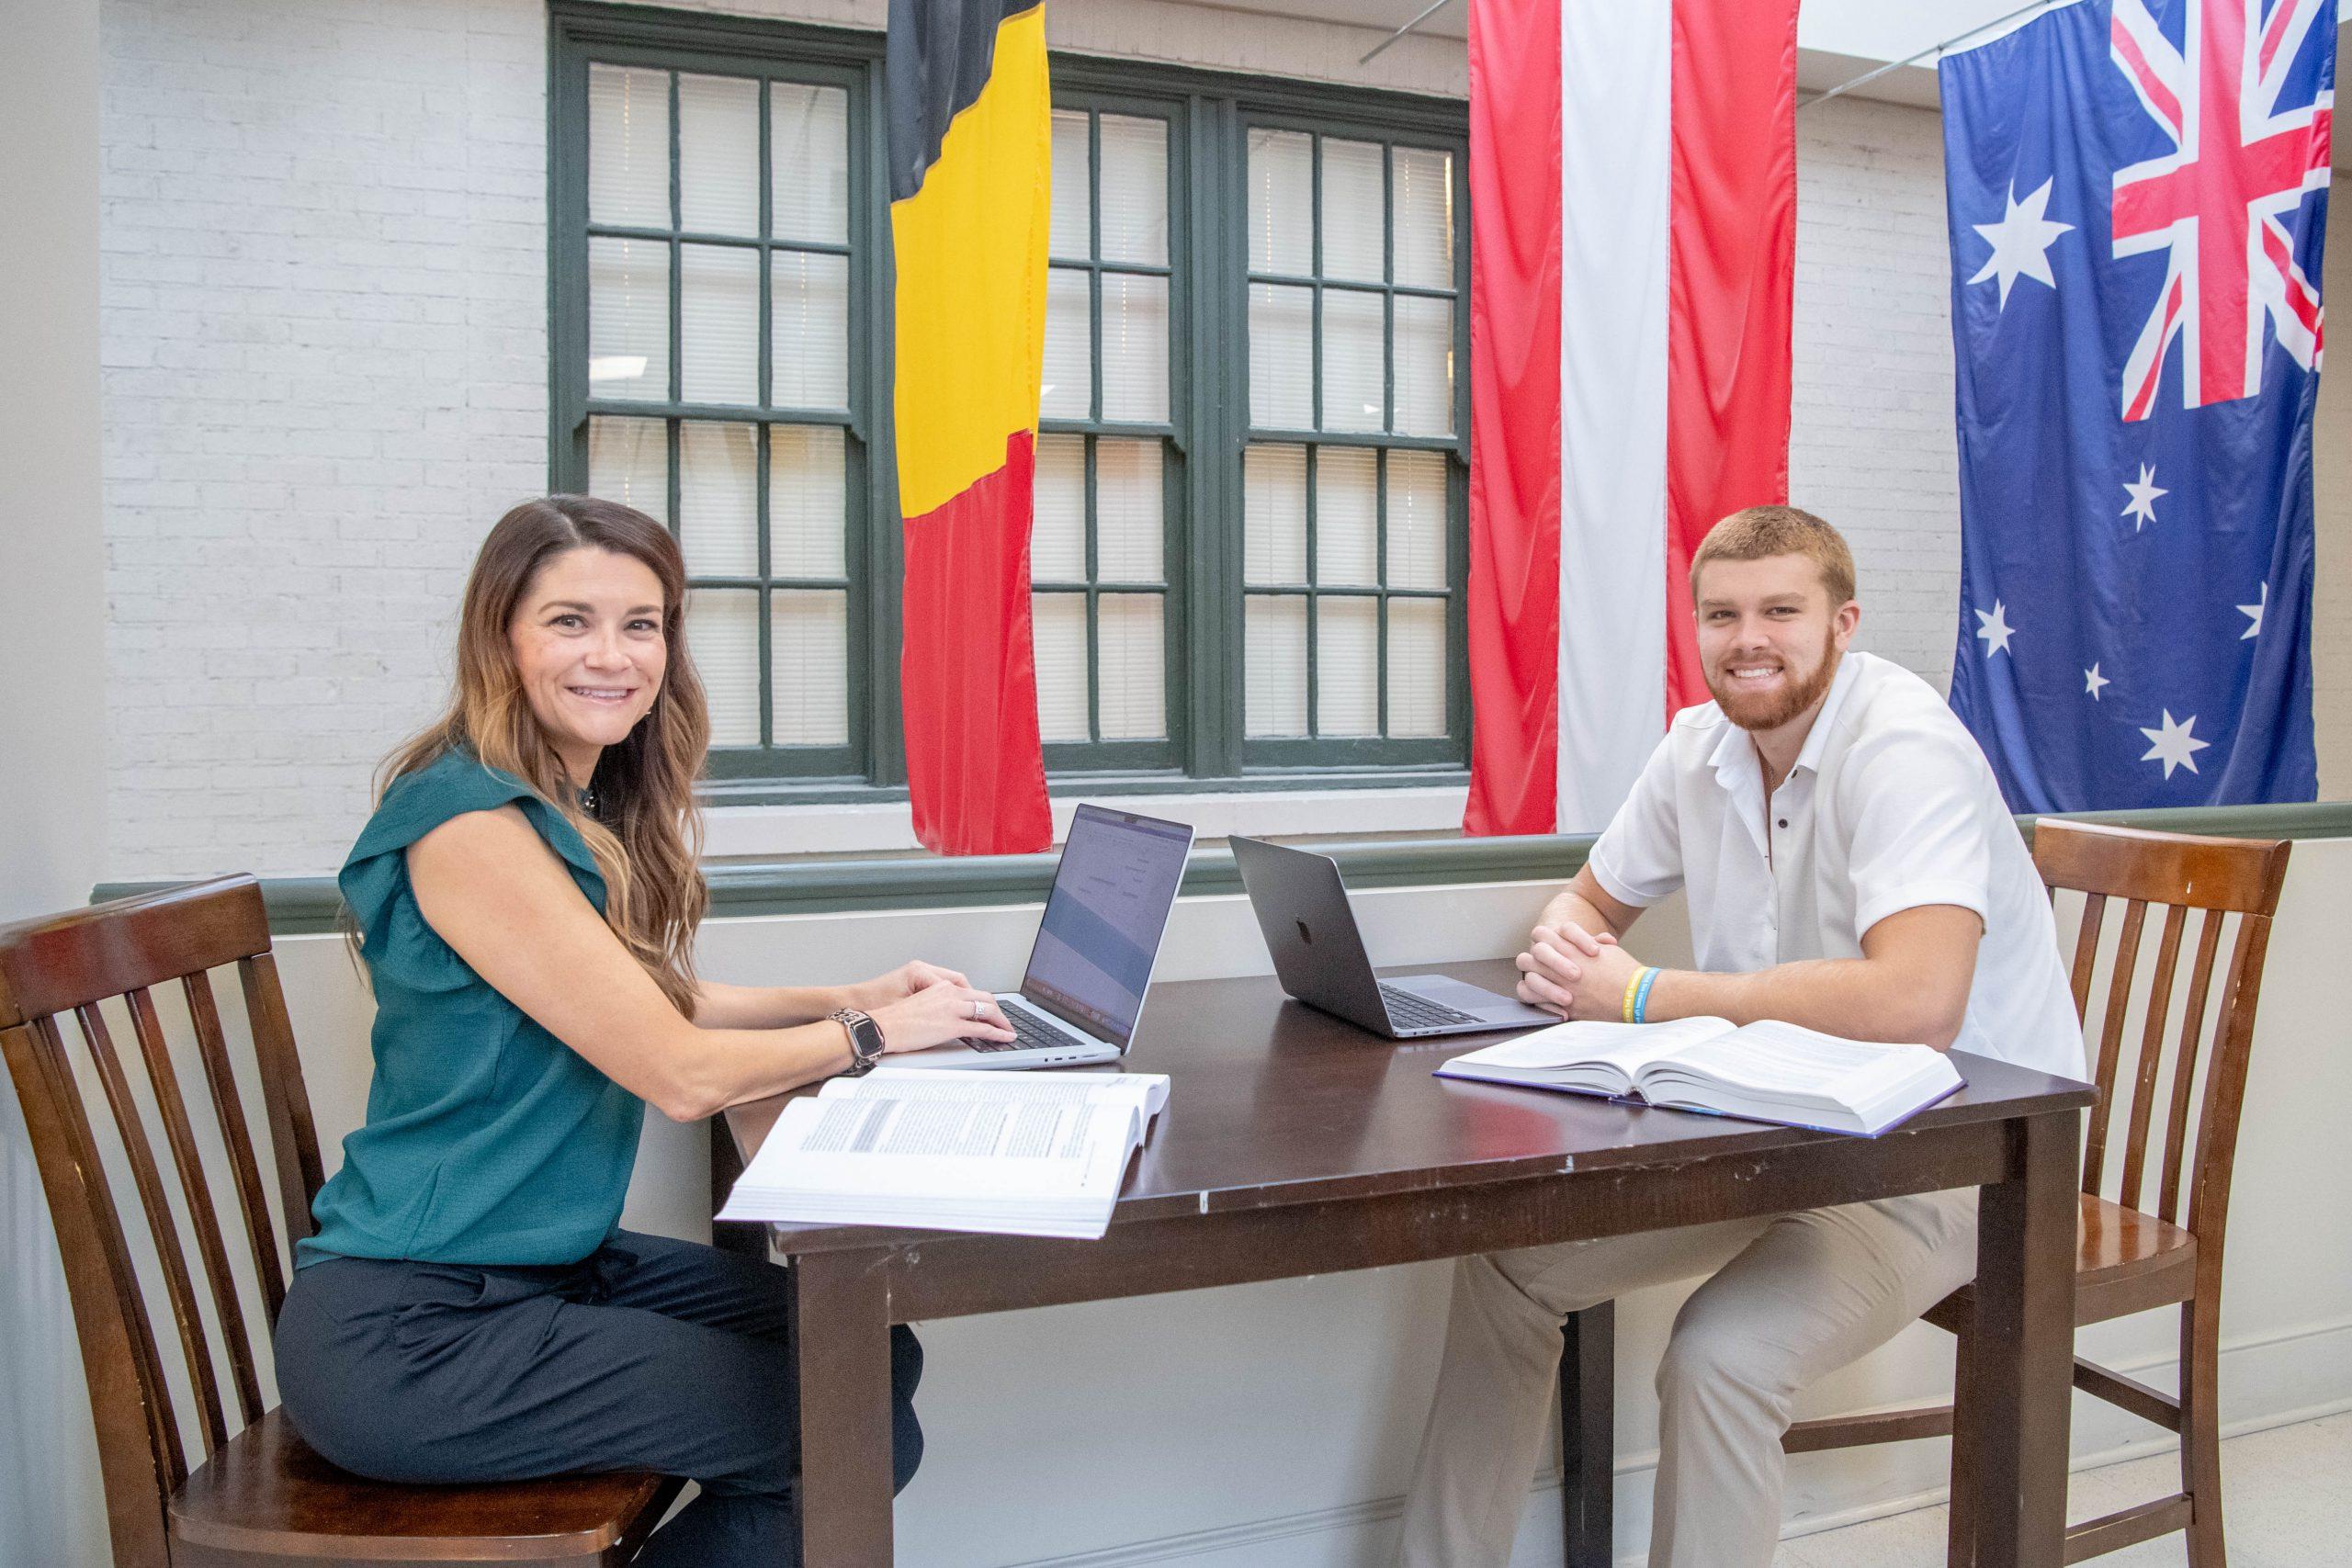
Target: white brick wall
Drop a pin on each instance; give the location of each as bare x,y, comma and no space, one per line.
324,322
1872,448
324,345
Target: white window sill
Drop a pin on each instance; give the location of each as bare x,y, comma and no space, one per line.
760,831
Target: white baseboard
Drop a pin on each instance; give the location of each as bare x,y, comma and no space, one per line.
2267,1380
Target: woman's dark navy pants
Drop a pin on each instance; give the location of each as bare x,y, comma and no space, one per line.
653,1355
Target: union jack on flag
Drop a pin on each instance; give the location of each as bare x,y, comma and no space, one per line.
2223,200
2138,193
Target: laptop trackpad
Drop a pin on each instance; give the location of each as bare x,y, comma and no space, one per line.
1462,996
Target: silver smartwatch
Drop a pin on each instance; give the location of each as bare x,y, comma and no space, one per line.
866,1046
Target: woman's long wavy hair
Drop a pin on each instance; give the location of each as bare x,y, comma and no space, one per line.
647,832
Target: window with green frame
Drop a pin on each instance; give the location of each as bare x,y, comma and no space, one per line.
1249,545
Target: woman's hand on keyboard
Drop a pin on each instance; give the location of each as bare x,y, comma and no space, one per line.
938,1014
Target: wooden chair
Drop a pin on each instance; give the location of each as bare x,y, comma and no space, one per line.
257,1495
2141,1250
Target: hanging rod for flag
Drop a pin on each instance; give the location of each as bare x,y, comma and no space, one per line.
1937,50
1431,11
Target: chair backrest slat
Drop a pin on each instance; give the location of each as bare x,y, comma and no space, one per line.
219,1076
2152,1052
131,1407
2111,1039
202,1217
148,1176
293,1139
2087,951
73,963
2192,1023
2221,879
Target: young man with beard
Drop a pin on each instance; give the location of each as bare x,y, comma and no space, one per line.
1849,866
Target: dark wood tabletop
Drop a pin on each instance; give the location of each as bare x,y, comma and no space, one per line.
1272,1102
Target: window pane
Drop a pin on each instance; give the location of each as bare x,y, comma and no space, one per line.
1416,667
808,162
1274,665
1071,224
1281,356
718,499
1417,520
723,631
1070,366
1133,682
1135,347
1130,541
1424,216
1135,190
629,319
628,147
1424,365
1347,516
1059,627
718,318
1353,380
1282,202
808,502
1273,514
1058,538
809,331
1347,666
718,154
629,462
1355,218
809,667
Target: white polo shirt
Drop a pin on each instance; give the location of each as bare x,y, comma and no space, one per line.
1889,806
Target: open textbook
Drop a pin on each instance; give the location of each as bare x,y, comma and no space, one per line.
1027,1153
1765,1071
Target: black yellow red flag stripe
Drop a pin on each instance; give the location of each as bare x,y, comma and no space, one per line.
971,172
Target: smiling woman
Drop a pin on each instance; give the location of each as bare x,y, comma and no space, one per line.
526,899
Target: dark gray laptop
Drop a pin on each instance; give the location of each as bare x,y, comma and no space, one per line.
1319,956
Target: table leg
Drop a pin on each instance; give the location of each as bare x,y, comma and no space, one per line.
1587,1435
843,1321
2020,1376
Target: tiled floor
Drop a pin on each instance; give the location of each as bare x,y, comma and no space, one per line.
2288,1493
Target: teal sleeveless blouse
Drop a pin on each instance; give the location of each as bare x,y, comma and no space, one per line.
488,1140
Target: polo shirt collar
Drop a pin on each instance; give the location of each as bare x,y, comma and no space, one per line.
1735,758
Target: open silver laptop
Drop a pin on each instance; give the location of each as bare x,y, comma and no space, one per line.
1319,955
1095,951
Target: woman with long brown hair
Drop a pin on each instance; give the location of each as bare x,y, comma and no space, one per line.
525,899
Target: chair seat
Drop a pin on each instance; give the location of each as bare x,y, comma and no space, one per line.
267,1494
2127,1261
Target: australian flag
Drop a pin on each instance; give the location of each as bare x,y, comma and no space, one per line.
2138,199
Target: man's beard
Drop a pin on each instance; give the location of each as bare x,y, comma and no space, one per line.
1757,711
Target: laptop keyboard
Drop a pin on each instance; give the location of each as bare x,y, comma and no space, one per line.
1031,1032
1407,1010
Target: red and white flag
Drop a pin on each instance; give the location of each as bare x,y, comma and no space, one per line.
1633,211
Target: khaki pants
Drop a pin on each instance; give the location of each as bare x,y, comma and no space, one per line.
1790,1298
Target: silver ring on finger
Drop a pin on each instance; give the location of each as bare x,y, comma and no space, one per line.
977,1010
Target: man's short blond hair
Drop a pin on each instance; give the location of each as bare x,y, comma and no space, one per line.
1757,532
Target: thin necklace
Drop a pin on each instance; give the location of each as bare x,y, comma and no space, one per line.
588,800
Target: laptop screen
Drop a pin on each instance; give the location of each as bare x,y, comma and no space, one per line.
1104,920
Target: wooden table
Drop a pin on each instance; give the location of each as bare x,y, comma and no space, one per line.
1294,1144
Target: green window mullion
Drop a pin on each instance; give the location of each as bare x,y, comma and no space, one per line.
677,256
1387,339
670,497
1093,599
1314,715
766,374
767,634
1380,575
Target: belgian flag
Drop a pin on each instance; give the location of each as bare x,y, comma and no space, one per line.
971,166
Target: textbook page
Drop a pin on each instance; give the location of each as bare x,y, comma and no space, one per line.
1628,1047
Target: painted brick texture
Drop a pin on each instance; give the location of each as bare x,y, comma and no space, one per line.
324,322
